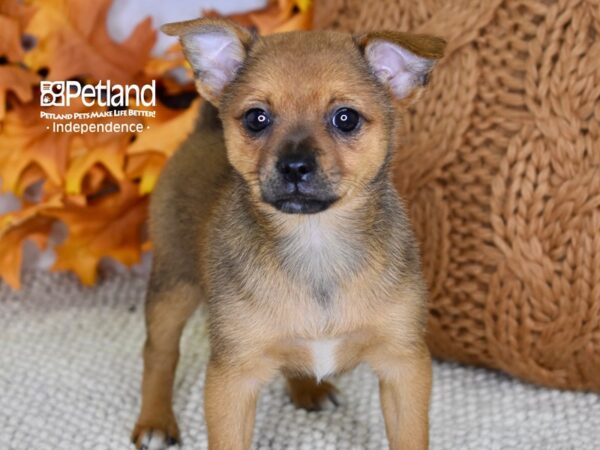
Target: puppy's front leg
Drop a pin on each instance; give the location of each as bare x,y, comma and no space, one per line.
167,311
230,397
405,388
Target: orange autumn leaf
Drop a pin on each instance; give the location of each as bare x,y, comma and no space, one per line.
15,228
110,155
10,39
72,41
17,9
11,247
166,137
277,17
300,21
112,226
149,152
25,141
29,177
17,80
15,219
92,150
146,167
92,182
14,16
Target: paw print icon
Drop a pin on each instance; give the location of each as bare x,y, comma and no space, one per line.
52,93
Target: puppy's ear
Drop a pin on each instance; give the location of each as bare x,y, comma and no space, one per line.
215,48
402,61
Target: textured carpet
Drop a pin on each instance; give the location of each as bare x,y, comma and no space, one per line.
70,366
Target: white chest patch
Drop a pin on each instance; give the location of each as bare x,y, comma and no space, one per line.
323,352
314,248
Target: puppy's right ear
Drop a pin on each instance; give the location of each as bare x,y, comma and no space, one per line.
216,49
401,61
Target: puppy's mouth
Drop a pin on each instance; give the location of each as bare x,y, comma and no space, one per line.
301,204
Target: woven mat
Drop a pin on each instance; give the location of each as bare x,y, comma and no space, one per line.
70,367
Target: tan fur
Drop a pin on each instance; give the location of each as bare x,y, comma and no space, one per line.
277,283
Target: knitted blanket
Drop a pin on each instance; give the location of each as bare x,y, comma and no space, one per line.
70,369
500,165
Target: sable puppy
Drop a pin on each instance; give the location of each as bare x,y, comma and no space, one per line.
279,212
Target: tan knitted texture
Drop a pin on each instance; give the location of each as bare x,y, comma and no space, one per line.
500,165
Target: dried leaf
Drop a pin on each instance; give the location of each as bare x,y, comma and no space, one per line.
304,5
15,219
25,141
10,39
145,167
166,137
149,152
17,80
302,21
112,226
278,17
72,41
15,228
11,247
18,10
110,155
93,181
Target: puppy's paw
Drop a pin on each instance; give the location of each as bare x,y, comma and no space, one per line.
155,438
312,396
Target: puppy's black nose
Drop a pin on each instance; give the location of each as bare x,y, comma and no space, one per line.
297,167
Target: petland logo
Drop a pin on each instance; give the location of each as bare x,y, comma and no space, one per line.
110,103
60,93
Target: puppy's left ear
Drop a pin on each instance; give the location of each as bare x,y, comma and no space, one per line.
402,61
216,49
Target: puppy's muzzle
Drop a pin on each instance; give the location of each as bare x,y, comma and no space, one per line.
297,186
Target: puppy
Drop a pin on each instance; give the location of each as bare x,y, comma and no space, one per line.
279,212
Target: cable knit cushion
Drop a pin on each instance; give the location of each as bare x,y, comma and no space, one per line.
500,166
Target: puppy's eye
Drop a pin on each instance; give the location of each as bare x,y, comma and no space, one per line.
256,120
345,119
